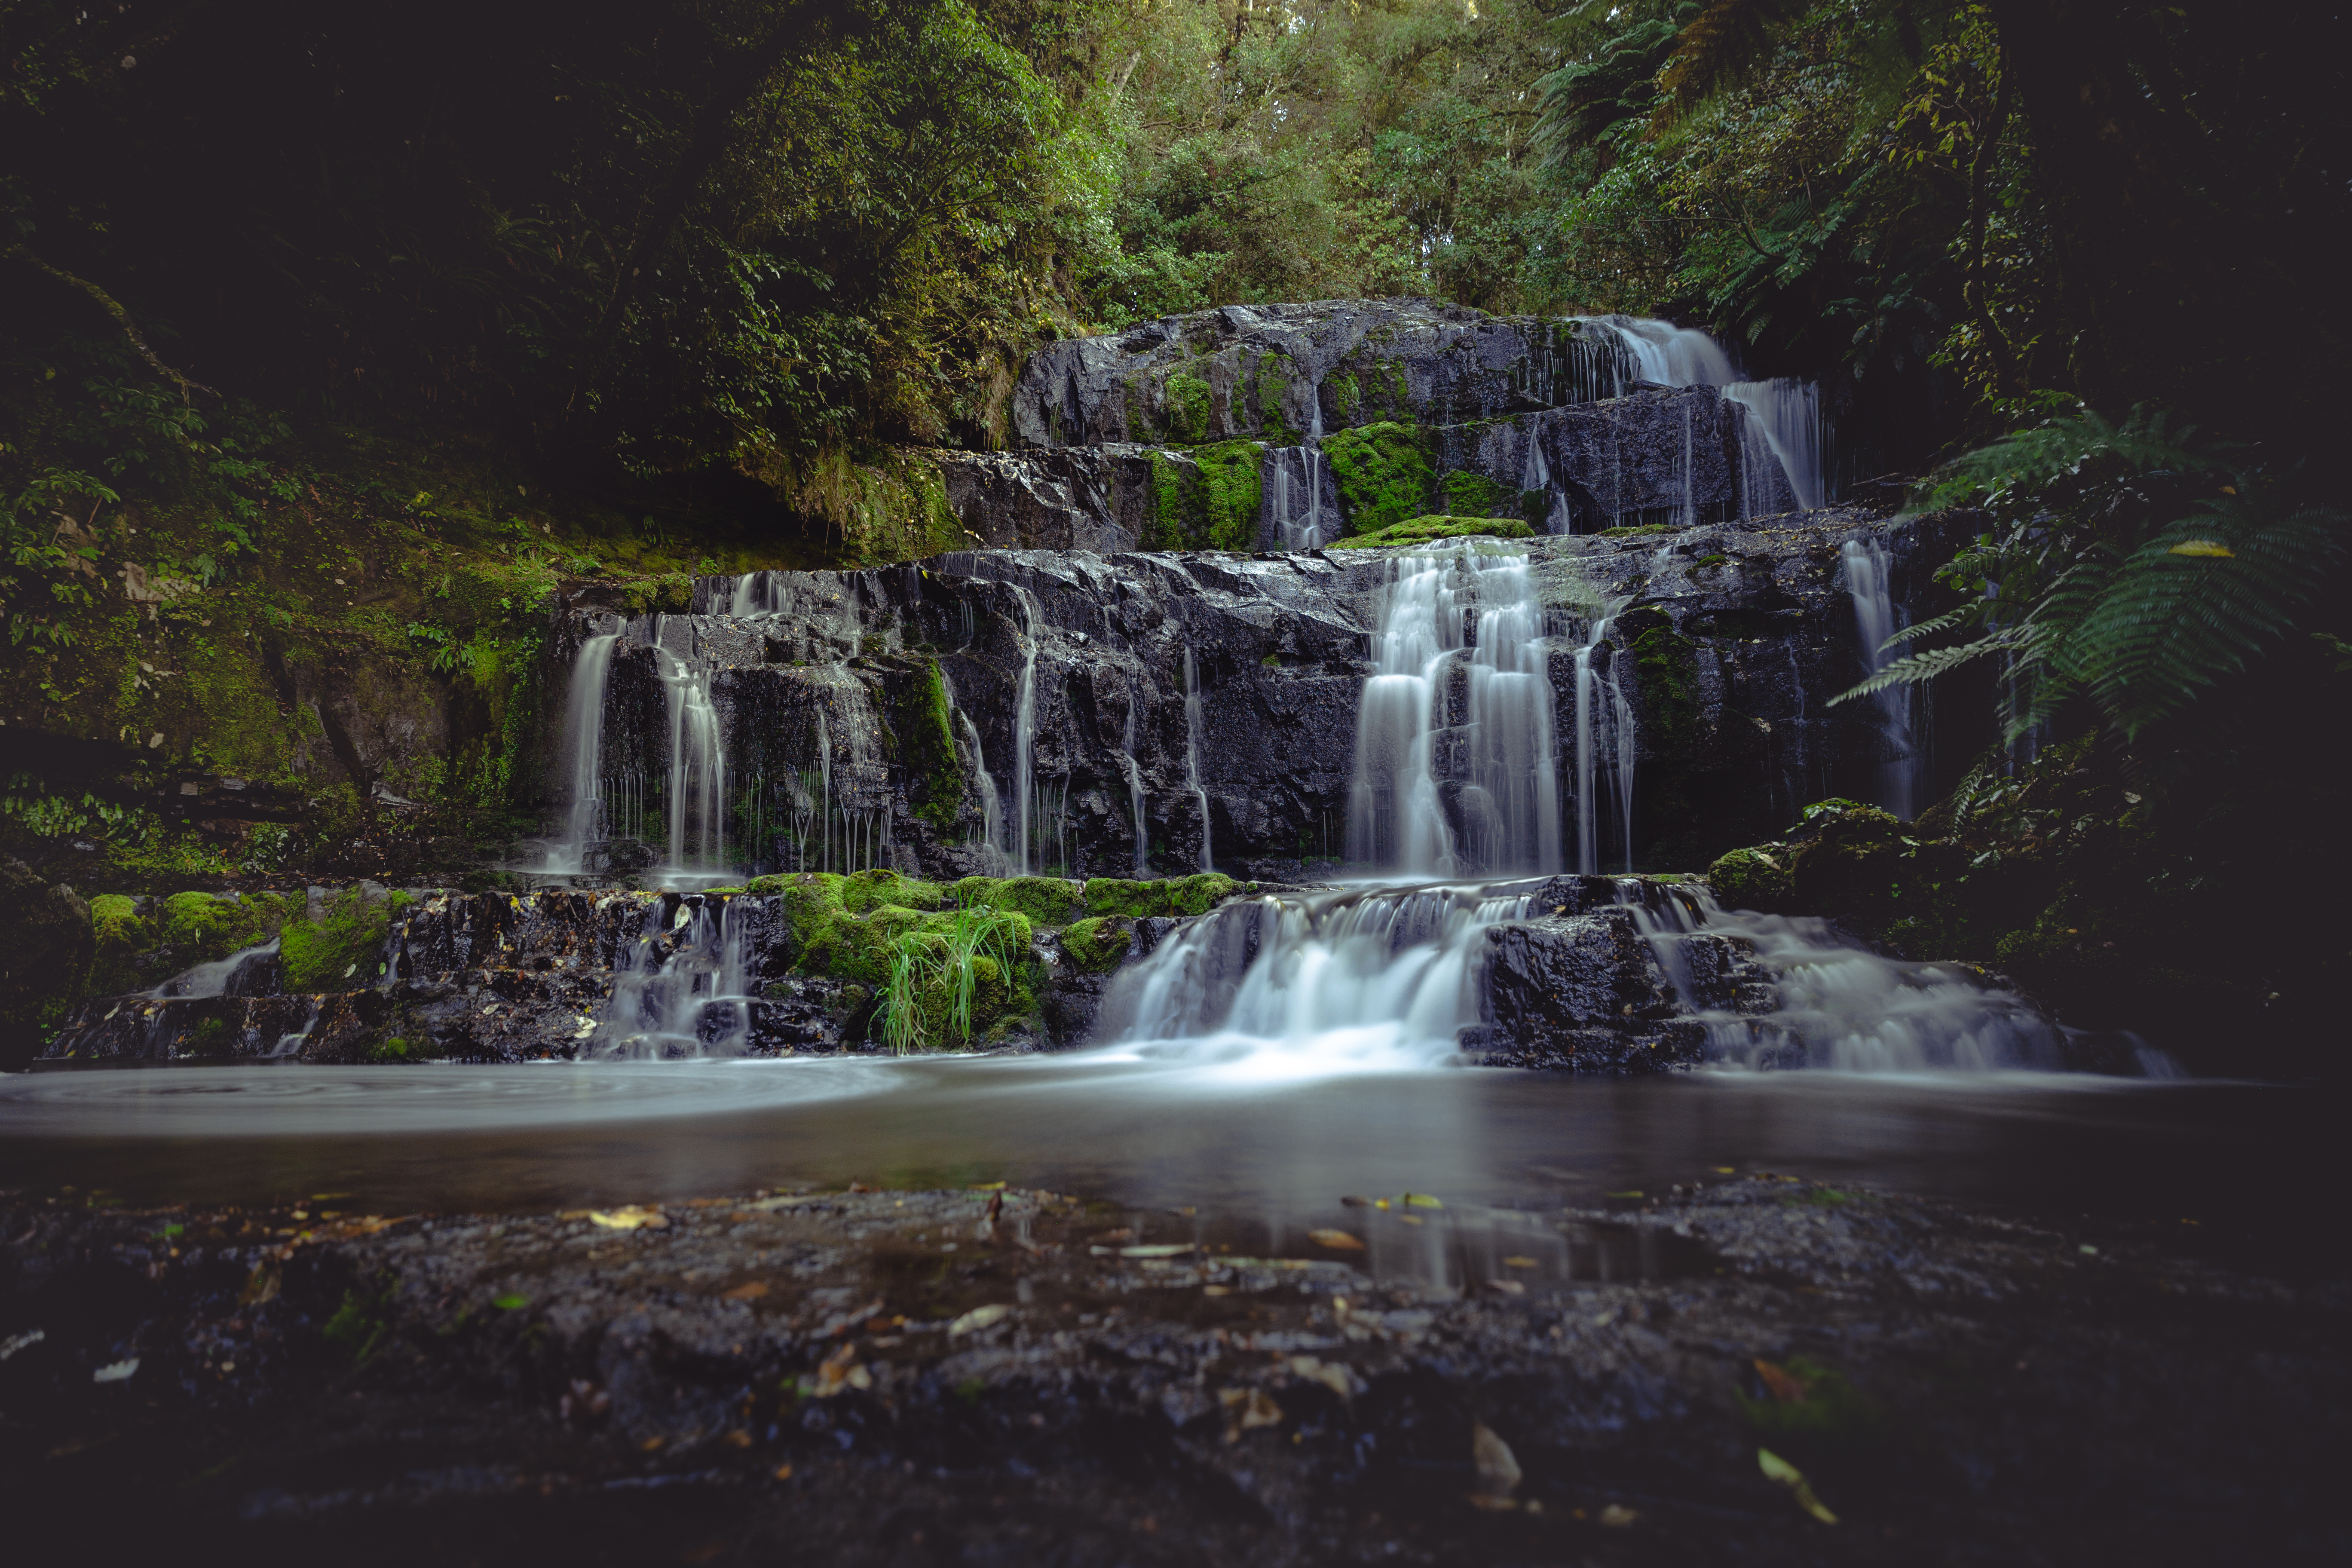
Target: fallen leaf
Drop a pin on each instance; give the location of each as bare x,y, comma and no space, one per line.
116,1371
263,1284
1519,1263
1499,1467
979,1318
783,1472
2202,547
1508,1287
987,1187
1216,1290
630,1218
1778,1382
512,1301
1421,1201
1329,1374
1777,1469
1726,1171
16,1343
1617,1516
739,1438
839,1371
1627,1193
1158,1250
751,1292
1247,1409
1337,1240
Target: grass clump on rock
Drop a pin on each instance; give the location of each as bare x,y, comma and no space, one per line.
949,978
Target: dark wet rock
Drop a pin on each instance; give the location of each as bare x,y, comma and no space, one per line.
845,1369
1581,992
46,946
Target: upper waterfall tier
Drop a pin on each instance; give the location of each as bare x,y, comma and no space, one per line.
1278,426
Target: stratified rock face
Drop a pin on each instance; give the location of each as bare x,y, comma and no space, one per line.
1237,427
46,943
877,718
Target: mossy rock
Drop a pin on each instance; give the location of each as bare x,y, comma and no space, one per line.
1193,895
1639,531
1231,480
1382,473
1754,879
1045,901
1425,530
1100,942
114,919
343,949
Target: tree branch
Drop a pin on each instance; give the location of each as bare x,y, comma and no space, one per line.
107,303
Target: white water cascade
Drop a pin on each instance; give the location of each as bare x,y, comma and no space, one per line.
1365,979
582,745
698,773
1024,738
1841,1007
1604,739
1784,415
1867,579
1296,497
1135,798
681,990
1501,757
1192,715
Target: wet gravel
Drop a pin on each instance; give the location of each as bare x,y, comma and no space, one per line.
988,1376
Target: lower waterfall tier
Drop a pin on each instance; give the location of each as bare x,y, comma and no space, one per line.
1591,973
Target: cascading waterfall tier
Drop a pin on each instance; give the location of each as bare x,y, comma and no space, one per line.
1493,804
1868,578
1363,979
680,990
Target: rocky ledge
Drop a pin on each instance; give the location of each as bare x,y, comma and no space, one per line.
1751,1368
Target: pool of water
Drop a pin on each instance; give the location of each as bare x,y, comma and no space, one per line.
1228,1139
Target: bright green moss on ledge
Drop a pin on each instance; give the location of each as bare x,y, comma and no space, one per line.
343,951
1098,942
1425,529
1045,901
1382,472
1193,895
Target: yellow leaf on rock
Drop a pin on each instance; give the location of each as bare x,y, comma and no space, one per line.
1421,1201
1338,1240
630,1218
979,1318
1779,1469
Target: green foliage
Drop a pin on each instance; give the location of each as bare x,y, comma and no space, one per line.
1193,895
343,951
1752,879
1383,475
1045,901
1428,529
1186,400
361,1324
1097,942
947,980
1230,477
2129,565
114,919
47,554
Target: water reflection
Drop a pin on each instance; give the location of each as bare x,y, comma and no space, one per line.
1275,1156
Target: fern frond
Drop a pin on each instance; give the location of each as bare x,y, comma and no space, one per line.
1721,46
2172,623
1919,666
1949,621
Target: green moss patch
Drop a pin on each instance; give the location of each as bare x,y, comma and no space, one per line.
1754,878
114,919
1382,473
1423,530
1231,483
1187,403
344,950
1098,942
1045,901
1193,895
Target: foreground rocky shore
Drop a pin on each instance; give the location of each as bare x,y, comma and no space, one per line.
1751,1368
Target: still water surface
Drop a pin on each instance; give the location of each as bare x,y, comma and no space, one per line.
1230,1139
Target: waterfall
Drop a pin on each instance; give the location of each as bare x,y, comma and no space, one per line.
583,749
1369,978
1784,418
698,773
1535,474
1689,518
1838,1005
1509,792
681,990
1135,793
992,810
249,972
1604,733
1192,751
1024,738
1867,579
1782,413
1298,525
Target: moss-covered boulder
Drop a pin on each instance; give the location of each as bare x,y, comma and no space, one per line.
1193,895
338,944
1754,879
1383,475
1098,944
1043,900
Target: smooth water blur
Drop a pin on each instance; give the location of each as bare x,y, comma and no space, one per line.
1222,1134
